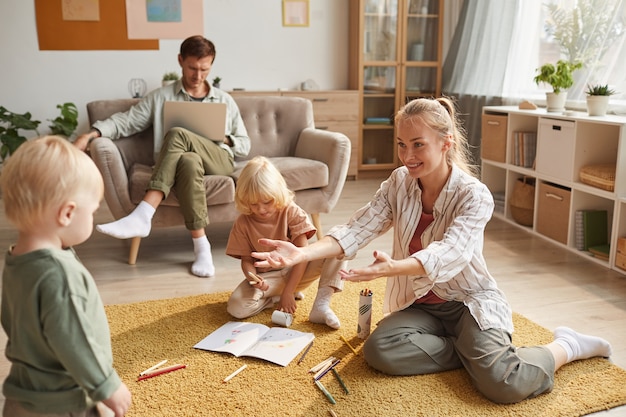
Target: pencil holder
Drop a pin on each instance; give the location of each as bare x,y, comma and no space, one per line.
281,318
364,323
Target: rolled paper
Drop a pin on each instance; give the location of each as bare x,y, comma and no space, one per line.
282,318
364,322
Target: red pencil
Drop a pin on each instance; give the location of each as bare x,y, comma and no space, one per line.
161,371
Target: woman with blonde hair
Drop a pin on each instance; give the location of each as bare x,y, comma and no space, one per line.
443,308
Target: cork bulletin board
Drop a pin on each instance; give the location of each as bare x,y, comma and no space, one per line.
108,33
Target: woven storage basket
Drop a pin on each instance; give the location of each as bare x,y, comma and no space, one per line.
600,176
522,201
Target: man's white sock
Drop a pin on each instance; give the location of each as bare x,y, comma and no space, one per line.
203,265
137,224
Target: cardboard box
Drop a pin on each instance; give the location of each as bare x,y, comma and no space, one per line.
621,245
493,142
553,206
620,261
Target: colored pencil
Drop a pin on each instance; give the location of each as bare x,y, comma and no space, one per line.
152,368
161,371
325,370
325,391
349,345
305,352
231,376
343,384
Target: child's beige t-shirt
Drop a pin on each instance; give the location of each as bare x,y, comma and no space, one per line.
289,223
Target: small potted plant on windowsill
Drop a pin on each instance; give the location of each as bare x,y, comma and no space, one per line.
169,78
216,82
560,78
598,99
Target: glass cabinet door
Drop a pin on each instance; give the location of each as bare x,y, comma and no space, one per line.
380,35
421,48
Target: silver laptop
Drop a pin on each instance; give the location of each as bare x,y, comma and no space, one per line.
205,119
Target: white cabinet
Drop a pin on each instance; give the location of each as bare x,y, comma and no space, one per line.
564,145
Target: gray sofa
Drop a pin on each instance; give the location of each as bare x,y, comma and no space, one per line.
314,162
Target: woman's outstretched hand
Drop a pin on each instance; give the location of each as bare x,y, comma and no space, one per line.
383,266
282,254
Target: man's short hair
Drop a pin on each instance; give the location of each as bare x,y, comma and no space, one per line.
197,46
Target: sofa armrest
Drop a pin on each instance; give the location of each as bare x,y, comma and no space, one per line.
331,148
109,161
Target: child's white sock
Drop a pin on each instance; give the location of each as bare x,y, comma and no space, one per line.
581,346
321,312
203,265
137,224
298,295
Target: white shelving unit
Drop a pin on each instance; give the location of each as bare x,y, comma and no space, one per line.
565,143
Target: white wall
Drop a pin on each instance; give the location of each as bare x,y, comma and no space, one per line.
254,51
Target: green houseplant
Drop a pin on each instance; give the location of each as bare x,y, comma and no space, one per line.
65,124
11,124
598,99
216,82
169,77
560,78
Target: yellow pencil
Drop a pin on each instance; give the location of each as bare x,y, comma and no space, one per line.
349,345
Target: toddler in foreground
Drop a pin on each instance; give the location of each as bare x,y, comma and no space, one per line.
267,209
58,336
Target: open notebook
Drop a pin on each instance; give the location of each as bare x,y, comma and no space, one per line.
205,119
276,344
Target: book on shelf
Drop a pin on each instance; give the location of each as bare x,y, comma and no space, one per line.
278,345
524,149
600,251
590,228
377,121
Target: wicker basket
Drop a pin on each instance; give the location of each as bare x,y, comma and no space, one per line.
600,176
522,201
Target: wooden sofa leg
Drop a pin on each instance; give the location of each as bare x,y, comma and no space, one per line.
315,218
134,250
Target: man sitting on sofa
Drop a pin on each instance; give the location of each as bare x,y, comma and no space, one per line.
182,157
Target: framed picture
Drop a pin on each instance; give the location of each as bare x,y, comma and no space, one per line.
295,12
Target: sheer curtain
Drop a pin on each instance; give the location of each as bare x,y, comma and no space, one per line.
475,65
498,45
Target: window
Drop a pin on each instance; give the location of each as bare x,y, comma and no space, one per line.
589,31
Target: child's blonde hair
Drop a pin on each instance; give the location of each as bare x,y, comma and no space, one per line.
43,173
260,181
440,115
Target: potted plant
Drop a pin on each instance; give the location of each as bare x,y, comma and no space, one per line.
598,99
66,123
560,78
169,78
216,82
10,126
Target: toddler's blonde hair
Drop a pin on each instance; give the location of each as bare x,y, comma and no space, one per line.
43,173
261,181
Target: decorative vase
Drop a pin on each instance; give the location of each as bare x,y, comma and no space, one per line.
555,102
597,105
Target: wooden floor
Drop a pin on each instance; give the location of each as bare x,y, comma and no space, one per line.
544,282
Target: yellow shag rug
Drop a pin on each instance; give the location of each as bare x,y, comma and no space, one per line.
145,333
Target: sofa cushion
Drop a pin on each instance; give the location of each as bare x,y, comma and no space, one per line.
220,189
299,173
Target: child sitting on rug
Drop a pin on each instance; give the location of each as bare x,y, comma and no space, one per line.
267,209
58,336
